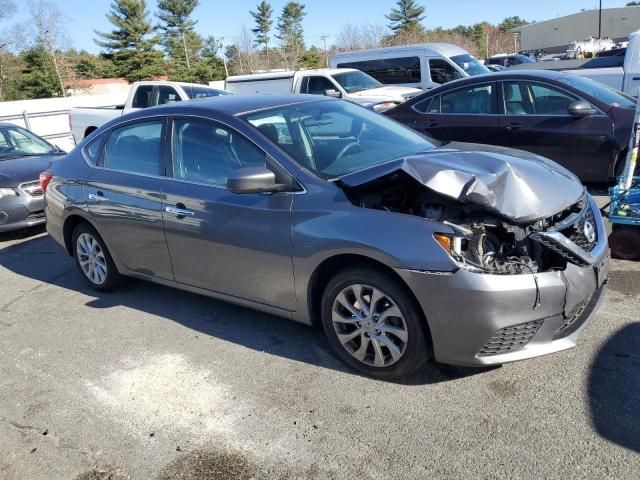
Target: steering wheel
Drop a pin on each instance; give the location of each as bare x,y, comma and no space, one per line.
345,149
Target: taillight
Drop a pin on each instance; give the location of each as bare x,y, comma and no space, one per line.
45,178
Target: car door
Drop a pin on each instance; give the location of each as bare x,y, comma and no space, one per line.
318,85
536,119
236,244
466,114
123,193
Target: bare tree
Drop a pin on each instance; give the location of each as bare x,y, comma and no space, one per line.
245,43
372,35
349,37
7,9
48,31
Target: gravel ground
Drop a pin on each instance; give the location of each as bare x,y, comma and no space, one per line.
154,383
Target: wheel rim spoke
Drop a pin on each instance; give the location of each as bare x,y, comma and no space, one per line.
369,325
91,259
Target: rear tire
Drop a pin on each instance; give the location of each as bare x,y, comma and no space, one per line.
382,335
624,242
94,260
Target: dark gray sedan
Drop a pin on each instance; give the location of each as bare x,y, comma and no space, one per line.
324,212
23,155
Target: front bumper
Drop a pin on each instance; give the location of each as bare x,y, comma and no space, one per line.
478,319
22,211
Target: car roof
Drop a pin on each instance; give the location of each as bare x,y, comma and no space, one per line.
445,49
504,75
232,105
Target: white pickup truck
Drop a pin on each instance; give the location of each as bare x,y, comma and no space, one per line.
346,83
85,120
619,69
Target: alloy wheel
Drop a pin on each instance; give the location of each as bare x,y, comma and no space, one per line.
369,325
91,259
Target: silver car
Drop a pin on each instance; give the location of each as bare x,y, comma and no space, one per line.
326,213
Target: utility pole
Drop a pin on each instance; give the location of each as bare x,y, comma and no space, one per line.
600,21
326,54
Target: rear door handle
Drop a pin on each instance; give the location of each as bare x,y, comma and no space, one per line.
514,126
98,197
178,212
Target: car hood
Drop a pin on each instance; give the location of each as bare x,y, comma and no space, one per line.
18,170
396,93
520,186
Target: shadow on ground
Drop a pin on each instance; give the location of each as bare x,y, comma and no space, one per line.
614,388
40,259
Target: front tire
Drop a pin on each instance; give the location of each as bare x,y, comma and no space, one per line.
94,260
374,324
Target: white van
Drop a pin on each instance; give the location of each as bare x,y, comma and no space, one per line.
424,65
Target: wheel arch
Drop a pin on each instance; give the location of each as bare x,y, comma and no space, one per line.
331,266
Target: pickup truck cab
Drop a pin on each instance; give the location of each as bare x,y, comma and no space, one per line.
619,69
85,120
346,83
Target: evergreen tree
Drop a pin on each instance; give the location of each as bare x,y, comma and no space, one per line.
263,25
291,34
180,40
131,45
38,79
407,17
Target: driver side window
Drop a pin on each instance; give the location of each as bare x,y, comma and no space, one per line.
318,85
207,152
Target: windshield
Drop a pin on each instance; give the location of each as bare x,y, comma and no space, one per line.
333,138
525,59
470,64
16,141
599,91
356,81
203,92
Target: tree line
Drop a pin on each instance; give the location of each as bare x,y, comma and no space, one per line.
36,62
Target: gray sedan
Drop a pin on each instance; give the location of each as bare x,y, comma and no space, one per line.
326,213
23,155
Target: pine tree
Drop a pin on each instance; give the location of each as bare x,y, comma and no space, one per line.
406,17
290,33
181,42
131,45
38,79
263,25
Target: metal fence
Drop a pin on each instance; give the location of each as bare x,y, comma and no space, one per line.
61,137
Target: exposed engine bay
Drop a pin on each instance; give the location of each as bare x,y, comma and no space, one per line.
484,240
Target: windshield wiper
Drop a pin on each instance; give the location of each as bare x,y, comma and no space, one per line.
18,155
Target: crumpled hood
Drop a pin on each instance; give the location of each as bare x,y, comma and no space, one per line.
520,186
15,171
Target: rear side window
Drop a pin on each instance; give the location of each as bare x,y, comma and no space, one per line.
143,97
442,71
390,70
135,148
93,149
428,105
471,101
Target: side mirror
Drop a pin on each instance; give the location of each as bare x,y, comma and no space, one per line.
252,180
333,93
581,108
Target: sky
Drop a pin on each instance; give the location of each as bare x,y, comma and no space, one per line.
324,17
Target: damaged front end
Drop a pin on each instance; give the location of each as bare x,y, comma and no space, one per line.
503,214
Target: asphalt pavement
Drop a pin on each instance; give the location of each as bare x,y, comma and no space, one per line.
154,383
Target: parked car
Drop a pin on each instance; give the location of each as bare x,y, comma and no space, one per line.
508,61
424,66
345,83
579,123
495,68
85,120
324,212
23,155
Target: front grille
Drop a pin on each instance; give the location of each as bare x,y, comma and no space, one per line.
576,233
32,189
511,338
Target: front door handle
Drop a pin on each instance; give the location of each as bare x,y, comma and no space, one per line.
178,212
98,197
514,126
